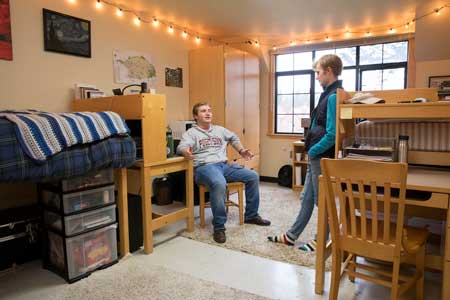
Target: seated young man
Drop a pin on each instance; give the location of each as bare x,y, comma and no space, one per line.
206,144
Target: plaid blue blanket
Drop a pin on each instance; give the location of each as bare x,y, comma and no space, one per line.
43,134
113,152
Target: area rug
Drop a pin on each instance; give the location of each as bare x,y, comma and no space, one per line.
133,280
278,204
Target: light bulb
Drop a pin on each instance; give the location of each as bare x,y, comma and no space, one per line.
71,1
98,4
292,43
391,30
137,21
184,35
170,29
274,48
368,33
348,33
197,40
119,12
327,39
155,22
308,41
256,44
437,11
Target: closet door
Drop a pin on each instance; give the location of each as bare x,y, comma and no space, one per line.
251,103
234,96
206,80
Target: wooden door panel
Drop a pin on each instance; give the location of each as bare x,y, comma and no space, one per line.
234,94
206,80
251,104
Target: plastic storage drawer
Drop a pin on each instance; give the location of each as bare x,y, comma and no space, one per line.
74,224
77,257
78,201
89,180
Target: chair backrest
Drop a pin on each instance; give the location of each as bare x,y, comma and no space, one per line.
366,205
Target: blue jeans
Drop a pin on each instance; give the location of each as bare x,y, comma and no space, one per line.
215,177
308,198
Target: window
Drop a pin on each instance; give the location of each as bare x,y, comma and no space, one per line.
366,67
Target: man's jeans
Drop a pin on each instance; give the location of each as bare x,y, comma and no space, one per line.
308,198
215,177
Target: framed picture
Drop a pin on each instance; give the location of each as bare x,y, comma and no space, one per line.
66,34
174,77
439,81
5,31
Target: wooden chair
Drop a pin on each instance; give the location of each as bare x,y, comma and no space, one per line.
359,230
231,187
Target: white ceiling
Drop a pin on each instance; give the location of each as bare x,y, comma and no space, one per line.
275,21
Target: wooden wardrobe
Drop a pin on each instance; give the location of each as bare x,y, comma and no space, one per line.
228,79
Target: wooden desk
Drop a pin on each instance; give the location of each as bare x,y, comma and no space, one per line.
152,221
422,179
150,113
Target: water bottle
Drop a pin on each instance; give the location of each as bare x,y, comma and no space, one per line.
169,138
403,148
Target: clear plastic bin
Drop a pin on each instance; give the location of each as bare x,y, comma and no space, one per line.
83,253
73,202
91,179
81,222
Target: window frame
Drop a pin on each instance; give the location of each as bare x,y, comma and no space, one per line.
359,69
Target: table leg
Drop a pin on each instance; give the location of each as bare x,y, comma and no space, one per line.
446,261
190,195
321,242
146,193
122,193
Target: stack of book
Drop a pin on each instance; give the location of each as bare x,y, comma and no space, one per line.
86,91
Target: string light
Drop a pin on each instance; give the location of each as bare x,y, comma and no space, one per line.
319,37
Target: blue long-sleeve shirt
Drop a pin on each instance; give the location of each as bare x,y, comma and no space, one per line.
328,140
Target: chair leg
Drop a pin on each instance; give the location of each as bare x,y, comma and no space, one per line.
227,199
352,268
395,277
420,267
202,206
335,273
241,205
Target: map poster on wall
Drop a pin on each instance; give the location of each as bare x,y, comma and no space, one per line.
5,31
133,67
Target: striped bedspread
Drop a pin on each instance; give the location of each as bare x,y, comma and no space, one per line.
43,134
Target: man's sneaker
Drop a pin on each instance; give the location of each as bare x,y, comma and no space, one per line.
258,221
219,236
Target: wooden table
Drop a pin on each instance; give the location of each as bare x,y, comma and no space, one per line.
437,182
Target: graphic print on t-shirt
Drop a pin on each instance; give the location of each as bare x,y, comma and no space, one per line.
210,142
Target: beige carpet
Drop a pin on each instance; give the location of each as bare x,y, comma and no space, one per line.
133,280
278,204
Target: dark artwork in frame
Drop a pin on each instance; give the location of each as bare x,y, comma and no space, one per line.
174,77
66,34
5,31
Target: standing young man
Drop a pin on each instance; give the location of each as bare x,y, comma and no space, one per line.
319,142
206,144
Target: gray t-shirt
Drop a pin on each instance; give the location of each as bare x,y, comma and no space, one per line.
208,146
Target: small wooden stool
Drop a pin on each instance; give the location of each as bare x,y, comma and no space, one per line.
231,187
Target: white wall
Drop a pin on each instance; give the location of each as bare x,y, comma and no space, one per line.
44,80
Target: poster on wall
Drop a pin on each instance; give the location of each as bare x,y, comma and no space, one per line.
132,67
174,77
66,34
5,31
